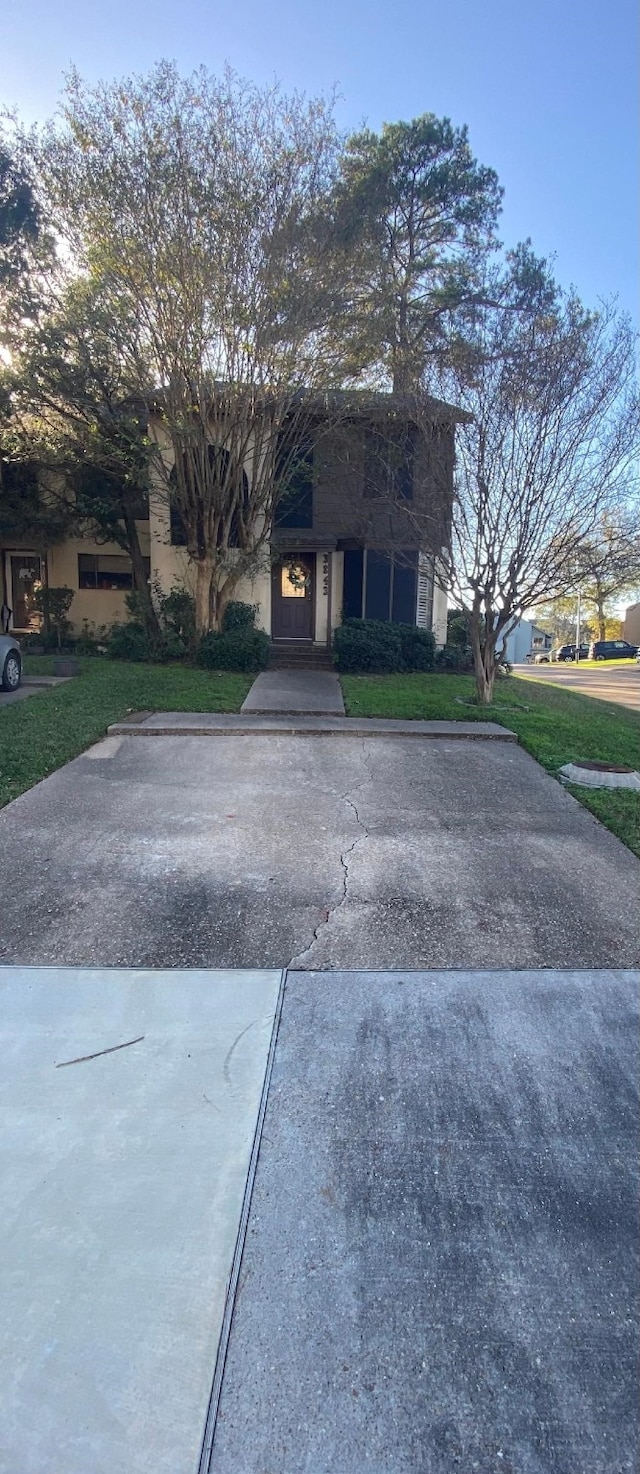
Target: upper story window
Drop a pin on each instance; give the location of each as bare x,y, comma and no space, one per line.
389,462
295,506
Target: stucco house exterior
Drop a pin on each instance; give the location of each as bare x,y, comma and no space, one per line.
360,537
631,624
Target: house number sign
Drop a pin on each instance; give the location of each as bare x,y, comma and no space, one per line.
325,575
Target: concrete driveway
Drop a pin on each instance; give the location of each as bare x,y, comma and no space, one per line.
440,1274
620,685
318,1224
315,852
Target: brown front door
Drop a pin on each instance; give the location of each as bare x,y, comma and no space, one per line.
292,598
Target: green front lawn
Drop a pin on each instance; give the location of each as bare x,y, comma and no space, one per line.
559,726
43,732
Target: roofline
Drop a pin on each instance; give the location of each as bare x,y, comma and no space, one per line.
413,407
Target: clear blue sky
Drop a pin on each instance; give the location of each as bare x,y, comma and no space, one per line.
547,88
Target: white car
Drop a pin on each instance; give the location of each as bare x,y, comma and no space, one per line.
10,663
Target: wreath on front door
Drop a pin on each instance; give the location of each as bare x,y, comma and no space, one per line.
298,576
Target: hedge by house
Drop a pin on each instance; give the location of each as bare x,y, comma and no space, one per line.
240,649
377,647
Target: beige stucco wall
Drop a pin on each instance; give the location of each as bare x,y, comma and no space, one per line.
97,606
631,625
439,618
172,568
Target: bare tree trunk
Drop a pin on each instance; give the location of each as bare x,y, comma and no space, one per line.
223,595
204,595
602,631
140,582
484,661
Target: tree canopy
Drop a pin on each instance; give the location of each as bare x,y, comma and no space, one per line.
419,213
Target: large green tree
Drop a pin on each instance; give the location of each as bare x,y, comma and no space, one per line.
608,563
196,208
72,410
417,214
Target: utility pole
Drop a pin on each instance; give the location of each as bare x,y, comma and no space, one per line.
578,629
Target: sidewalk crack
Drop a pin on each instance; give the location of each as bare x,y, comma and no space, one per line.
345,858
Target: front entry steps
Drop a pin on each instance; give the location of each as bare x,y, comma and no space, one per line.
298,655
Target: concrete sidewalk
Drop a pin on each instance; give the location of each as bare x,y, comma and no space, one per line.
246,724
313,691
129,1107
441,1265
31,686
318,1224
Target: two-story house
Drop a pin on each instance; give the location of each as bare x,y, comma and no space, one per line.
358,534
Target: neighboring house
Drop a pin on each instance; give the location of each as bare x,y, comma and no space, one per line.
99,574
359,537
631,625
525,640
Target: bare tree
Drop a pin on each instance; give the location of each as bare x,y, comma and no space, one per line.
551,430
198,206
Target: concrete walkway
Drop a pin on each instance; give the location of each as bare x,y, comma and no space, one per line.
313,691
318,1223
31,686
129,1103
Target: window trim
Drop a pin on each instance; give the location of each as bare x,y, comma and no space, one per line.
421,570
97,588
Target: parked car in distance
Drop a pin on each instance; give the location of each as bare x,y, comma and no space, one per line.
612,650
10,663
539,657
568,652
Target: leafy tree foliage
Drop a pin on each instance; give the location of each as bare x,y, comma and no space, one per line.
195,207
418,213
608,563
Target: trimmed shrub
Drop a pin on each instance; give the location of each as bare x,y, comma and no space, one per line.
418,647
362,645
239,616
39,642
458,658
240,649
129,641
92,639
177,613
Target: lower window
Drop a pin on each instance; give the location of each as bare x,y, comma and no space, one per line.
106,571
381,585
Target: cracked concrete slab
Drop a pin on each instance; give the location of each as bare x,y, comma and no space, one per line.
440,1271
172,851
